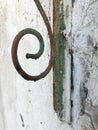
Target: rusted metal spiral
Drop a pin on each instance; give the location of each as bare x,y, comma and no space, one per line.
33,56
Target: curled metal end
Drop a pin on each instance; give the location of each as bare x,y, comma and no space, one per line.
33,56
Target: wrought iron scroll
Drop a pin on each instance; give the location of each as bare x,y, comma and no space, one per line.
57,52
39,37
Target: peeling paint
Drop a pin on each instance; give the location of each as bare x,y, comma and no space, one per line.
59,56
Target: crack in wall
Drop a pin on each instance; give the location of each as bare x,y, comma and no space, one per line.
22,120
83,96
73,1
72,85
72,65
88,115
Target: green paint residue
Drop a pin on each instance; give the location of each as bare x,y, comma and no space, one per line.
41,41
59,57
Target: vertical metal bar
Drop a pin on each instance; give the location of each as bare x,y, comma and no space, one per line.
59,56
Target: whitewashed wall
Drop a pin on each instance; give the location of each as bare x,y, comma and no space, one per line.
85,47
28,105
25,105
19,98
81,18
